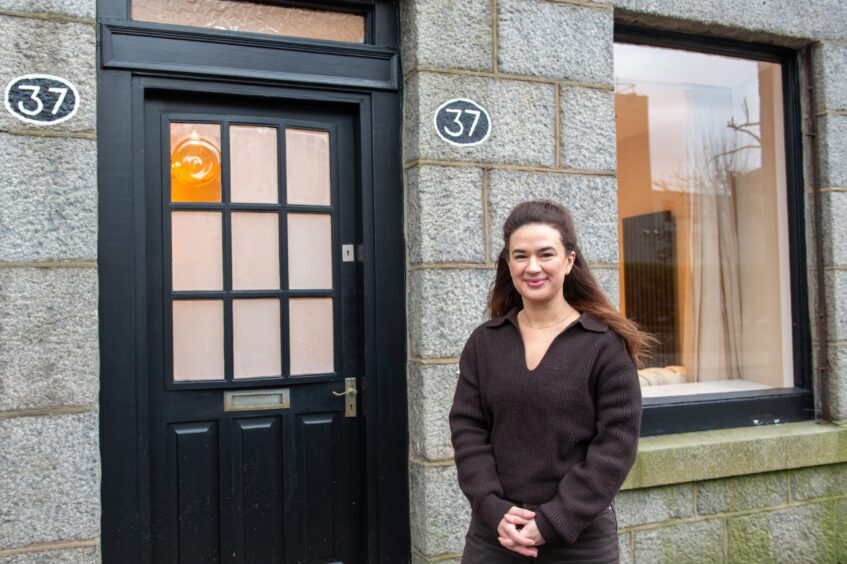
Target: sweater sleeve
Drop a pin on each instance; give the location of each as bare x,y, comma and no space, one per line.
470,427
589,486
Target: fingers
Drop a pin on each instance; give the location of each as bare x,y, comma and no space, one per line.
529,551
510,532
516,520
521,512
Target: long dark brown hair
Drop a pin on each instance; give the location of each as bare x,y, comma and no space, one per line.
581,290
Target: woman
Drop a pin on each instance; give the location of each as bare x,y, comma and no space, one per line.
547,410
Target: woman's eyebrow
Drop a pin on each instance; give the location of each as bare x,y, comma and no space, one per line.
541,250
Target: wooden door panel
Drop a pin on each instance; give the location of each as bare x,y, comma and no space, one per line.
318,472
194,487
257,455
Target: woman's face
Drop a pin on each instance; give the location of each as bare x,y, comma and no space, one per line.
538,262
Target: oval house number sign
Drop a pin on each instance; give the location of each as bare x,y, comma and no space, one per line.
41,99
462,122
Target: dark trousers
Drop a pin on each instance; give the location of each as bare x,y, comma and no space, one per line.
597,544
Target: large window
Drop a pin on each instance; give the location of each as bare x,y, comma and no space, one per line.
705,192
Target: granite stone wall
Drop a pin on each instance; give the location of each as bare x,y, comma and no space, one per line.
49,372
544,71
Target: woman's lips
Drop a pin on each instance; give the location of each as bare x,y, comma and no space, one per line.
535,283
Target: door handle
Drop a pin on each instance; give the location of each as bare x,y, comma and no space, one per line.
349,394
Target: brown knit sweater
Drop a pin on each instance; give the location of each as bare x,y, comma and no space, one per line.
563,435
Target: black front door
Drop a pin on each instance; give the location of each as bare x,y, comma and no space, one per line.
255,439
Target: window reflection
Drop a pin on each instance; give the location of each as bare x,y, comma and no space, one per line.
195,162
702,205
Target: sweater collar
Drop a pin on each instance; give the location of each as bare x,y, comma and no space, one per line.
587,321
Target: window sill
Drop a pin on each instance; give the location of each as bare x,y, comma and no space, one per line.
706,455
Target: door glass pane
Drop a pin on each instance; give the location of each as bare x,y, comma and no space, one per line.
311,335
256,338
253,161
235,15
198,340
309,251
196,250
307,167
255,251
195,162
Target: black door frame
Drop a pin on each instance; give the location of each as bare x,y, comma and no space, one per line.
134,58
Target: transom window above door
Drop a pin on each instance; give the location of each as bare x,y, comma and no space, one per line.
256,17
250,282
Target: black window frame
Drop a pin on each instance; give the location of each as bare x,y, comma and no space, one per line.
682,414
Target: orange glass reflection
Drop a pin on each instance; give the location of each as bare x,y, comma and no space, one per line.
195,162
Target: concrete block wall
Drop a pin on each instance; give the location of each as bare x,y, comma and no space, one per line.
544,71
49,372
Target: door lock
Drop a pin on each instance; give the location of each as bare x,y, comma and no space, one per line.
349,394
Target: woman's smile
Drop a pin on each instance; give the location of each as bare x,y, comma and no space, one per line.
538,263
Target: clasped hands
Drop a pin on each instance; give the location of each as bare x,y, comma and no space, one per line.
518,532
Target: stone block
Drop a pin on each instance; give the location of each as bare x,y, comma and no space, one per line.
49,186
830,70
745,20
610,280
832,150
836,297
819,481
742,493
523,122
625,548
440,513
556,41
49,479
453,34
64,49
838,381
797,534
418,558
592,200
431,389
834,214
445,306
444,217
706,455
48,338
588,128
841,529
73,8
686,543
82,555
640,507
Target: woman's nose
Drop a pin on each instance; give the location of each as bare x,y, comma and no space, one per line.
533,265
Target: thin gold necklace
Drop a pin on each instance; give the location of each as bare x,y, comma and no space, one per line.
565,318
